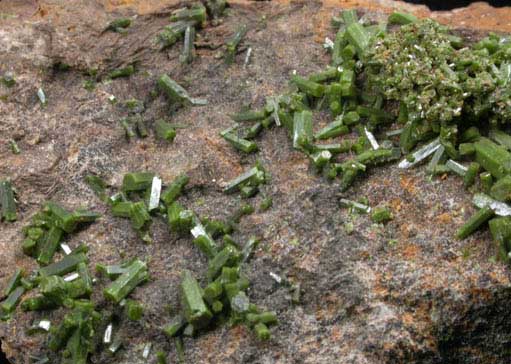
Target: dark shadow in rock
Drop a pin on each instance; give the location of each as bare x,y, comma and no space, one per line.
442,5
481,334
3,358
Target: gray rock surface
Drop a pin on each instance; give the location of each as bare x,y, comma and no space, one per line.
406,292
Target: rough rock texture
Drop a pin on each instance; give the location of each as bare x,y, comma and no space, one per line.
407,292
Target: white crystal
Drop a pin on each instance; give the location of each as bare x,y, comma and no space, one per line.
65,248
394,132
44,325
421,154
154,200
456,167
247,57
198,230
41,96
356,205
107,337
276,277
147,349
436,158
71,277
482,200
372,139
198,101
329,44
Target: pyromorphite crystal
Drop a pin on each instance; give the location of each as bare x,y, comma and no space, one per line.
479,218
262,331
139,215
381,215
138,181
176,324
119,23
174,189
202,239
134,310
7,202
13,282
227,256
309,87
49,245
65,265
196,311
233,43
10,303
165,130
122,286
332,130
54,288
197,13
302,130
401,18
254,177
501,190
492,157
357,35
174,92
500,228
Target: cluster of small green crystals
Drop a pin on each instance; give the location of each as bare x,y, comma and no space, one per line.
63,283
67,283
354,110
415,65
448,94
185,23
75,335
119,25
413,74
44,235
438,79
224,297
142,199
411,89
456,91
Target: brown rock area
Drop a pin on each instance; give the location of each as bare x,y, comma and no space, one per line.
406,292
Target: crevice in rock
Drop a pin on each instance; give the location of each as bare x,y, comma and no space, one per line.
3,357
442,5
482,334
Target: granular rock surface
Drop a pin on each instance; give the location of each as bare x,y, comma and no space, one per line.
405,292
